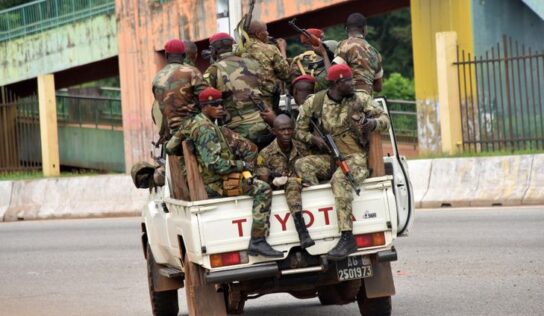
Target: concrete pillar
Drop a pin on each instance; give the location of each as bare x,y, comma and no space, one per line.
48,125
448,92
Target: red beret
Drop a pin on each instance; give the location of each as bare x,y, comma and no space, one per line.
220,36
338,72
303,78
174,46
209,95
315,32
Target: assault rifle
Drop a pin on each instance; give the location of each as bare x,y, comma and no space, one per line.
312,38
337,155
259,105
247,22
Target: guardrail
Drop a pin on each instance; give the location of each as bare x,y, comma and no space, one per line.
41,15
404,118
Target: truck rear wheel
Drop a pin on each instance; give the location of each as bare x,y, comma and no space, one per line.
379,306
163,303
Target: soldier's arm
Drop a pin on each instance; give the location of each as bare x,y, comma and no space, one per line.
340,55
210,76
302,129
377,84
372,109
208,149
280,65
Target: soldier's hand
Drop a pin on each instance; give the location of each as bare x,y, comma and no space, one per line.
268,116
282,44
279,181
247,166
369,125
319,143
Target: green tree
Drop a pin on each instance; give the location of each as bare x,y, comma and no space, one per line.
6,4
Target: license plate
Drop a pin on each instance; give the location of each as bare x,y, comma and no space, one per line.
357,267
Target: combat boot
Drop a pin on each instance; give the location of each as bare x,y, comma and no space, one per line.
303,235
345,246
259,246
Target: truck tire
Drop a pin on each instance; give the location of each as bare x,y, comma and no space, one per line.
162,303
379,306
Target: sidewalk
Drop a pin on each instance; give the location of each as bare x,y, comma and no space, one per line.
455,182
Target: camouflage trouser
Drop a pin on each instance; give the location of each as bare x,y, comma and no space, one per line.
293,190
312,168
262,200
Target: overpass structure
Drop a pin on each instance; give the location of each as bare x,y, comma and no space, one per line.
102,38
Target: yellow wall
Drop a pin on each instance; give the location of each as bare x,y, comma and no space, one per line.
428,18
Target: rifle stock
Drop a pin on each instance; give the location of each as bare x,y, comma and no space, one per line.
312,38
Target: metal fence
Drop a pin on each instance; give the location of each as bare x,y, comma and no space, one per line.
89,111
20,145
404,120
41,15
501,98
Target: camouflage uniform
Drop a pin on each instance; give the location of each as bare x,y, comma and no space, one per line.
217,158
312,64
238,78
336,119
363,59
278,164
274,67
174,87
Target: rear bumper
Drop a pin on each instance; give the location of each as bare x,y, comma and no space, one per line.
255,272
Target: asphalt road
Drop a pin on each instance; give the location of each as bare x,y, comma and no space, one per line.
456,262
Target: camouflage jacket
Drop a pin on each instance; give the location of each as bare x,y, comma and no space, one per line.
175,87
237,78
272,158
365,61
313,65
217,156
274,67
340,120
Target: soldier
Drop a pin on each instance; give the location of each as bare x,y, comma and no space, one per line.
347,117
272,60
175,88
314,61
239,79
360,56
278,160
221,166
192,53
302,87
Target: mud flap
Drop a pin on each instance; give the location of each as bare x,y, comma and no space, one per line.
381,283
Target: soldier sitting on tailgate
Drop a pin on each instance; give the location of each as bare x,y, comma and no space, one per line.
276,163
222,168
239,81
345,115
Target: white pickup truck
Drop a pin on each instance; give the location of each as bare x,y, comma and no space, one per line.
201,245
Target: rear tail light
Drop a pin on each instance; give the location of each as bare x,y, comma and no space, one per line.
228,258
370,240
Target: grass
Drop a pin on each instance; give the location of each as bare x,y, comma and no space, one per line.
34,175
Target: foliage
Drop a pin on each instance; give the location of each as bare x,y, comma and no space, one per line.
397,87
6,4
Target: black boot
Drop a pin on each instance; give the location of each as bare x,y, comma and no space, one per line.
345,246
303,235
259,246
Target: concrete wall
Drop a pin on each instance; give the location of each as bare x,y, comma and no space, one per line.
492,19
58,49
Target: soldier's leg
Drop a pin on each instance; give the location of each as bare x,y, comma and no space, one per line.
313,168
262,200
293,190
343,192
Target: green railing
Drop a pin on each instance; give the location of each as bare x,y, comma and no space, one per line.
41,15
